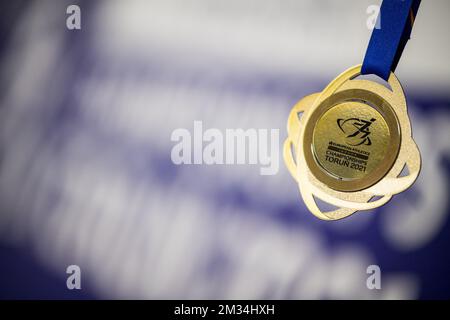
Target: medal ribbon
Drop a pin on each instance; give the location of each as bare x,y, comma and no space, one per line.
389,37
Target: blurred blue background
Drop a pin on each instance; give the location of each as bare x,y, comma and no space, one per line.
86,176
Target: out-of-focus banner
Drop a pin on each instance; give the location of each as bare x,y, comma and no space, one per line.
91,96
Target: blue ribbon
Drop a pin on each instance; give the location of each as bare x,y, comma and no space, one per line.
389,37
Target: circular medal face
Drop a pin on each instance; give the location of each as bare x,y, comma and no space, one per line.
352,140
347,146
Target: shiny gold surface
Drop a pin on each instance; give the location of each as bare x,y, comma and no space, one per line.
350,140
391,146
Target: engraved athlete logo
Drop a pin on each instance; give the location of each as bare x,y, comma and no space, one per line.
357,137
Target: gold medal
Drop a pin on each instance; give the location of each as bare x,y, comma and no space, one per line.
349,145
